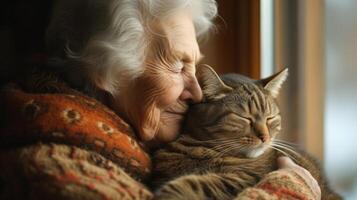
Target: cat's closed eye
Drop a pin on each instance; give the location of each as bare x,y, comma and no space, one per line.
235,118
234,122
273,121
273,117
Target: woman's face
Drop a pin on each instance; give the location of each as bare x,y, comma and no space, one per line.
157,100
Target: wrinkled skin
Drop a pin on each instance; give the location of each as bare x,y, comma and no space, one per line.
155,102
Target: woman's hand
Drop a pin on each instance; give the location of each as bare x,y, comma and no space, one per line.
286,163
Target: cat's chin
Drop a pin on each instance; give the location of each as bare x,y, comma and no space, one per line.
256,152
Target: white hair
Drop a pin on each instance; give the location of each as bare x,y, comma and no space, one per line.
109,38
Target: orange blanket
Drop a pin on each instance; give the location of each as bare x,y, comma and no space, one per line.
69,119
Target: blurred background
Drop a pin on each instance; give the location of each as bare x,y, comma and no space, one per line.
315,39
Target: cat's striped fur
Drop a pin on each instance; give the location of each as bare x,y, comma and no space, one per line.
228,141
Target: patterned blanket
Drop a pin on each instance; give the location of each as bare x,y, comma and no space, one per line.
67,146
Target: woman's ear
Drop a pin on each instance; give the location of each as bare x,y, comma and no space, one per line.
212,86
273,83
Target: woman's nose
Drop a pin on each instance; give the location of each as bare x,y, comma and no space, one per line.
192,92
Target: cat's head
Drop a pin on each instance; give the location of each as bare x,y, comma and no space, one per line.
238,115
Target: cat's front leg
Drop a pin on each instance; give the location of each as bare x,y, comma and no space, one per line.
206,186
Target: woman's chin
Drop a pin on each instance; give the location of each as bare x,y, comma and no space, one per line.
178,108
170,125
171,120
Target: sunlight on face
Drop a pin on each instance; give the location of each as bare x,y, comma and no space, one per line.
156,101
184,86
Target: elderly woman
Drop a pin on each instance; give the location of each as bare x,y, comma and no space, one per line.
138,58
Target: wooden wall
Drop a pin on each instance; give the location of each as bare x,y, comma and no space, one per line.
234,46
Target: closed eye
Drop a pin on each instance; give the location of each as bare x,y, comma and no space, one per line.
242,118
270,118
273,121
247,119
178,67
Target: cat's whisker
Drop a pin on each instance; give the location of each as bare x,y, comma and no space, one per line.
225,151
288,148
233,147
281,148
281,151
293,154
285,142
221,143
218,140
285,146
220,146
292,147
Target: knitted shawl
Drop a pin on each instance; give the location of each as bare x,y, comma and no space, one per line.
61,143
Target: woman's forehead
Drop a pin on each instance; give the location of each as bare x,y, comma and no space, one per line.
179,32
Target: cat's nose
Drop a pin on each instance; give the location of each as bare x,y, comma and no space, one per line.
262,131
264,138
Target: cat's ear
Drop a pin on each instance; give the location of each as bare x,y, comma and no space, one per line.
273,83
212,86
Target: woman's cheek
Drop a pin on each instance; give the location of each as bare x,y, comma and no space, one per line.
173,90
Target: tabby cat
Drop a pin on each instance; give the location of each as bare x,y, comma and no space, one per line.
228,141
